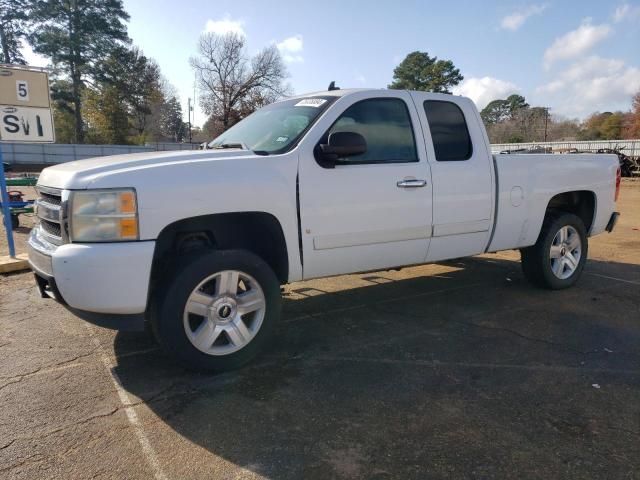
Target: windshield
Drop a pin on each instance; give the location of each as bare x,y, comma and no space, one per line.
274,128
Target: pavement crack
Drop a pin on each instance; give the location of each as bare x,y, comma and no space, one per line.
6,445
44,369
38,457
530,339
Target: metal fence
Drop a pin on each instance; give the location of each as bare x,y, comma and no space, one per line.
52,153
629,147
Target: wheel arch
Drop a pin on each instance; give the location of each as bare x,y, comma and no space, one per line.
582,203
258,232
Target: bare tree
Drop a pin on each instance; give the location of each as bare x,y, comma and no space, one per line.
231,84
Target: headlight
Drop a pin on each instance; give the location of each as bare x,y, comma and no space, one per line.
103,215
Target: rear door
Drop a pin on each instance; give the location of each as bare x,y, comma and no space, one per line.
372,210
462,175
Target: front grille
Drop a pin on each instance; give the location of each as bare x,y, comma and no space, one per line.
49,208
50,199
51,228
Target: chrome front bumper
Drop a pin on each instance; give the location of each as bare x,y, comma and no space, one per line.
40,252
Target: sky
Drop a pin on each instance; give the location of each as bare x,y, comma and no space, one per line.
575,57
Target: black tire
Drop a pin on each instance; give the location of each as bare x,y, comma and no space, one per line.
536,260
171,297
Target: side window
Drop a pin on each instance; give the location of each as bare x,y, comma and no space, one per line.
451,140
386,126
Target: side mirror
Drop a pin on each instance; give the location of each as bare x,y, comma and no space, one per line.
343,144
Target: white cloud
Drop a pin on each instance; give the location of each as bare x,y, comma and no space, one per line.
225,25
32,58
361,79
592,84
485,89
515,20
626,12
576,42
291,49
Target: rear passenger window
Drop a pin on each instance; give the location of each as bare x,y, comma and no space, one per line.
385,125
451,140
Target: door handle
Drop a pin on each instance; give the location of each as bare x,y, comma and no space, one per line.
411,183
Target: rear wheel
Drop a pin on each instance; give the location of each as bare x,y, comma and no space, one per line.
557,259
217,310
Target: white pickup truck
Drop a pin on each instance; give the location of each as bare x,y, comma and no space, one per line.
199,242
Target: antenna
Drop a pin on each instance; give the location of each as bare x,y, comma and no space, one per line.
332,86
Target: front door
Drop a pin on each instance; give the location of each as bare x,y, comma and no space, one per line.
373,210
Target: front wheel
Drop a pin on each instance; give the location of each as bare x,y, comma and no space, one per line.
557,259
217,310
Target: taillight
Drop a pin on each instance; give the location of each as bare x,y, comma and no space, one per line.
618,177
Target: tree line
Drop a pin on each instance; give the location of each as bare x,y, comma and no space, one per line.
103,89
513,120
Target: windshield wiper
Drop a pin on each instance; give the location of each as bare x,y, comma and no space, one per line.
242,146
230,145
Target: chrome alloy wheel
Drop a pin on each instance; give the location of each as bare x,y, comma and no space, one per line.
566,250
224,312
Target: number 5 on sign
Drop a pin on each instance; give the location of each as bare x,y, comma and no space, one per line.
22,90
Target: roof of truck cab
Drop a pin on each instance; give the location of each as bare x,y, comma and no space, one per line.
348,91
333,93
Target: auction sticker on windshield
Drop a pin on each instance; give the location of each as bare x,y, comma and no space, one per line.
311,102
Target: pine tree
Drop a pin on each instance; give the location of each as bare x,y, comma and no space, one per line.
78,35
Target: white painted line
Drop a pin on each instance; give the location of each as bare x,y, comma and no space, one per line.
149,453
613,278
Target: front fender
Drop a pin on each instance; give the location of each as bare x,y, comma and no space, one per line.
170,192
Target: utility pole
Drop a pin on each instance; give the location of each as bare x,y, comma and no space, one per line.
189,117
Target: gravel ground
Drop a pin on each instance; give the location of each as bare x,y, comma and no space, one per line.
454,370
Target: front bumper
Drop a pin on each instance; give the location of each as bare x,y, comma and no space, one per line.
97,277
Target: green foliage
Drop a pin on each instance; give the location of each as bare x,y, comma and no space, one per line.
171,124
78,36
107,116
137,80
515,103
13,25
513,120
605,126
419,71
63,122
498,111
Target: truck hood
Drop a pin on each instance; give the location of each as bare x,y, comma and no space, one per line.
80,174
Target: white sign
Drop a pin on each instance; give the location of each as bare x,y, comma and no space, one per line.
26,124
22,90
311,102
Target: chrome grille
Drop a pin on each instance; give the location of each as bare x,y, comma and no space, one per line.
50,199
49,209
51,228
